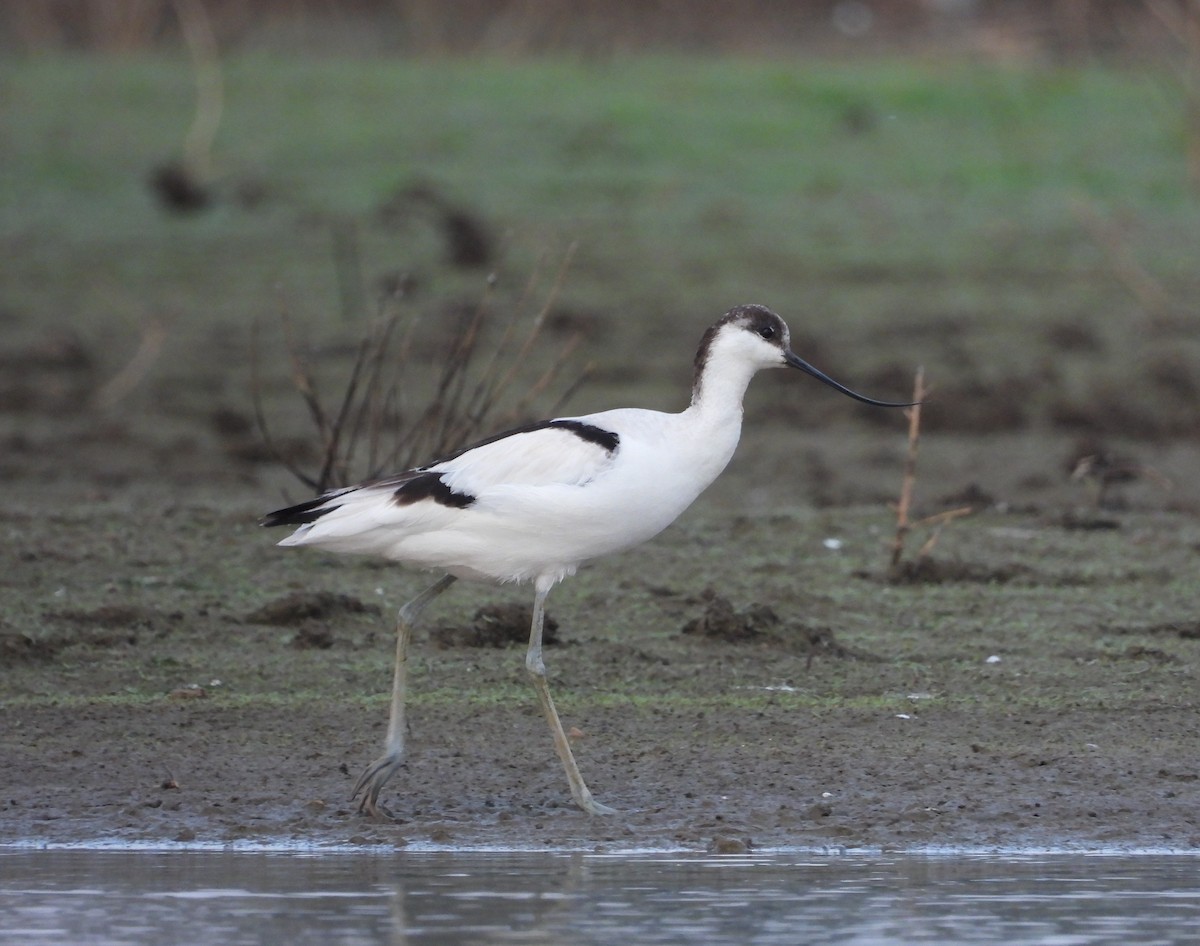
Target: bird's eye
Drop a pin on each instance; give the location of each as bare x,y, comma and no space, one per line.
767,331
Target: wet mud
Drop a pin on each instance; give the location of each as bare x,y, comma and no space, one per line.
756,677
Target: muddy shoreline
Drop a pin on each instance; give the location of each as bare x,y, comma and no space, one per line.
148,701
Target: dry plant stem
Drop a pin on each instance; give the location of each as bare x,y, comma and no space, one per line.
1148,291
1182,20
260,420
336,464
154,335
908,483
210,91
369,417
538,322
936,523
371,420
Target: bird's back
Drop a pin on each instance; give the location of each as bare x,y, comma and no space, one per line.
541,499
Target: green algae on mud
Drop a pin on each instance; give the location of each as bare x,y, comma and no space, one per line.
1039,713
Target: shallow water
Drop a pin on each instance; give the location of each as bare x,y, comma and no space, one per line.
227,898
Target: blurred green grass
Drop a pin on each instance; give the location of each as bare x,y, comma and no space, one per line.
895,211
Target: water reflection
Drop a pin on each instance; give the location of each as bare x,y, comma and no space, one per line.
69,896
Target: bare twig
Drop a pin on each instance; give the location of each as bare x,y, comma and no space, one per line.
1151,296
909,481
904,523
210,90
936,523
372,423
260,420
154,335
1182,20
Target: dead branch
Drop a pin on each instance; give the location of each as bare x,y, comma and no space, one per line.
1149,293
936,523
904,524
372,421
210,90
154,335
909,481
1182,21
260,420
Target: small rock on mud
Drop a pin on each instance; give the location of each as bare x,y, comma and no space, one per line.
728,844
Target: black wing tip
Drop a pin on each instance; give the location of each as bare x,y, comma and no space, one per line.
298,515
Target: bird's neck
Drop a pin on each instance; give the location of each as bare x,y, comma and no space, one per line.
715,414
718,391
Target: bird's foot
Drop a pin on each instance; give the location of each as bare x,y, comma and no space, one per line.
593,807
371,783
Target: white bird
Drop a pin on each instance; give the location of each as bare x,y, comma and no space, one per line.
534,503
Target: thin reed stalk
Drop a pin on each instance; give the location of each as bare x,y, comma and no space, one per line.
378,422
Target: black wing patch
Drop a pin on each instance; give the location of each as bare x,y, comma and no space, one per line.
585,431
607,439
423,483
430,486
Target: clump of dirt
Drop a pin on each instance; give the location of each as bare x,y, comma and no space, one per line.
1100,468
1084,522
54,374
971,405
719,621
111,616
972,495
758,624
1073,337
111,625
302,606
469,244
178,188
1138,652
1158,411
310,612
820,641
16,647
729,844
1184,630
927,570
313,636
495,625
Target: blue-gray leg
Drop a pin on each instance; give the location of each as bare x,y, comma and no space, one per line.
376,775
537,670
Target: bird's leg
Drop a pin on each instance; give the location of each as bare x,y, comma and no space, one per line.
376,775
537,670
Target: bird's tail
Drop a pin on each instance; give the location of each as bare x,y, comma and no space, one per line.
301,514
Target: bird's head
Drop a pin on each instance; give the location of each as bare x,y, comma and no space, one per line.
756,336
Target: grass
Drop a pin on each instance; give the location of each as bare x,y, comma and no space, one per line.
732,176
934,203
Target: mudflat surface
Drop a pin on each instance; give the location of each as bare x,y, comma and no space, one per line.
751,676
